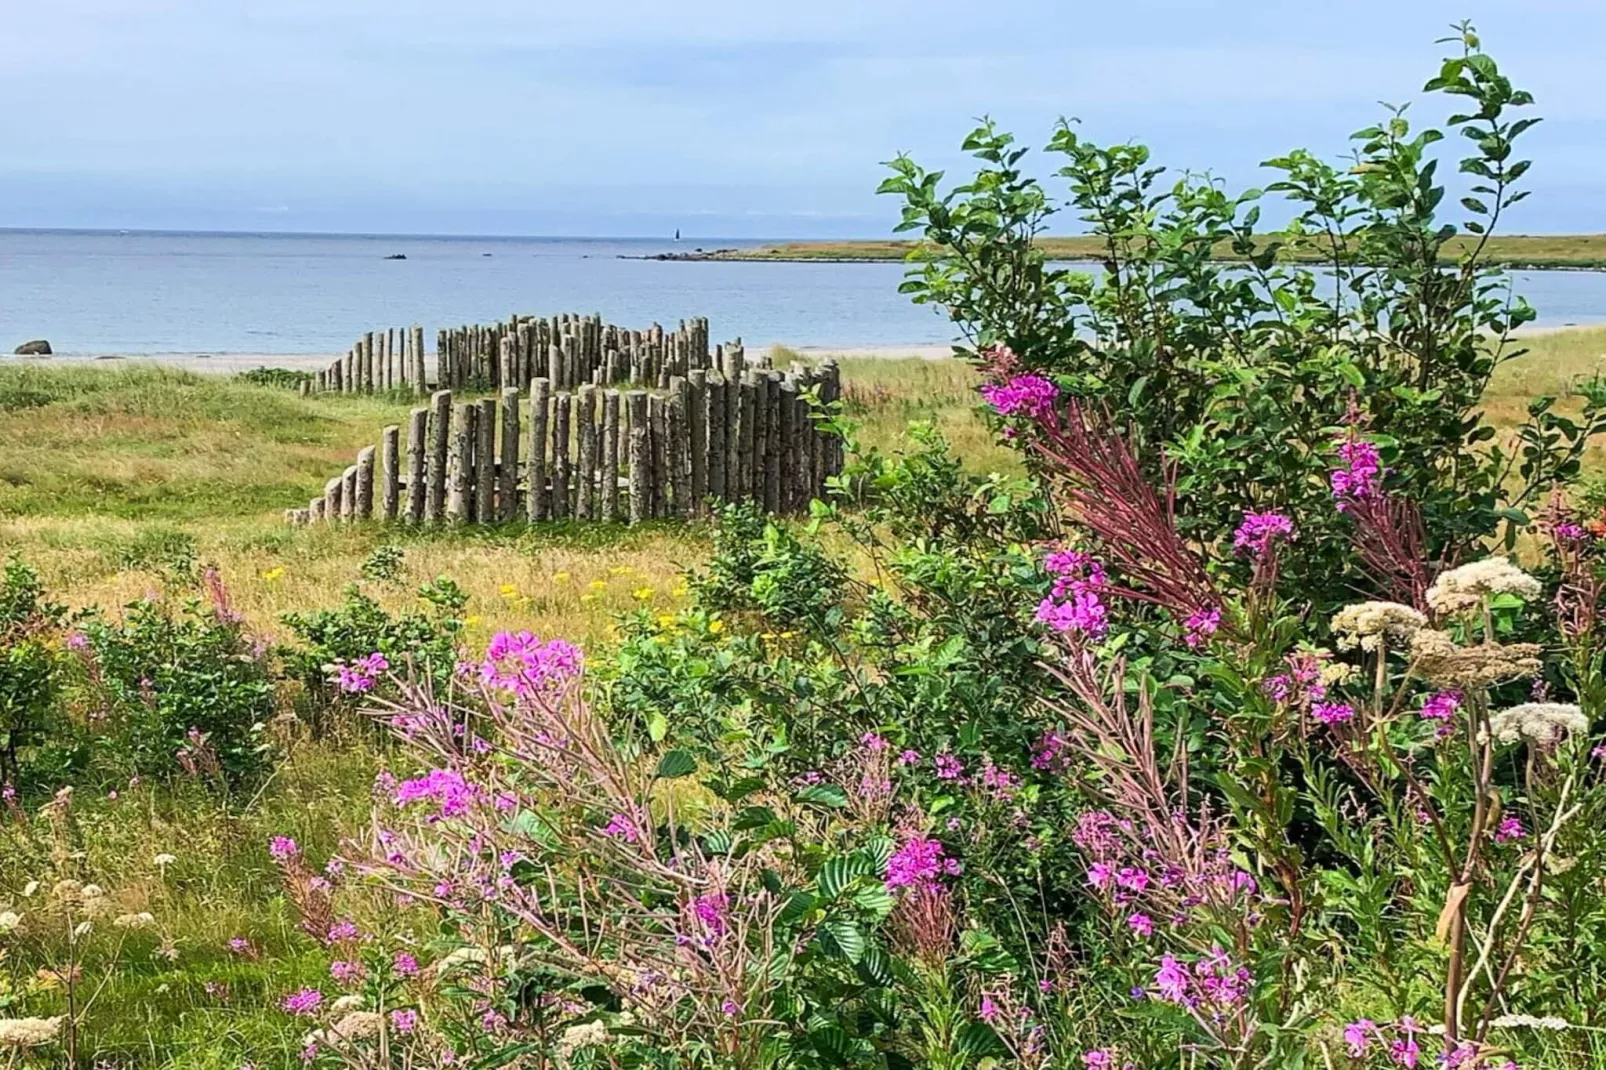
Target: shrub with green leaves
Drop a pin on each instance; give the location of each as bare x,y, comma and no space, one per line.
30,665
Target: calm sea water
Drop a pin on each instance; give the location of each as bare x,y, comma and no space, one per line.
94,293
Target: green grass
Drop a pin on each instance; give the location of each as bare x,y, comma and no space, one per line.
1517,250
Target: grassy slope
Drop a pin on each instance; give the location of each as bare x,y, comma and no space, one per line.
1537,250
105,473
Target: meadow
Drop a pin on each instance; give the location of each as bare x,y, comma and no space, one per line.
119,482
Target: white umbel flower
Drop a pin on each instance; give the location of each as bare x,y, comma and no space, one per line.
9,920
1546,723
141,920
28,1032
1528,1021
346,1003
1465,588
1366,624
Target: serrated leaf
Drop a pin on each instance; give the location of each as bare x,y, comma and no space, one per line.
824,795
676,763
839,872
841,938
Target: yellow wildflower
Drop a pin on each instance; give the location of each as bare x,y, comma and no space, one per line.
666,620
560,577
787,635
642,593
273,573
620,570
715,627
474,619
508,590
598,585
679,592
588,598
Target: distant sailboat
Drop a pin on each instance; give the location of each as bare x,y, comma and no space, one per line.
677,233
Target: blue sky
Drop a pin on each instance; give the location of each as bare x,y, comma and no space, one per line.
739,118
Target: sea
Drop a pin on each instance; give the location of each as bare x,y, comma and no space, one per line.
99,292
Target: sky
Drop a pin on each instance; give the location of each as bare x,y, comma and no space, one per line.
722,118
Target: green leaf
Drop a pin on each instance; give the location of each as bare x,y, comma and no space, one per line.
675,764
842,939
840,872
823,795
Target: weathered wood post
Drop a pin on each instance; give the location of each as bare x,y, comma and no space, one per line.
746,443
697,428
680,445
315,511
333,506
485,462
440,438
658,439
417,452
610,456
560,455
390,472
640,456
460,463
786,411
586,416
717,453
348,494
507,472
536,501
420,380
772,442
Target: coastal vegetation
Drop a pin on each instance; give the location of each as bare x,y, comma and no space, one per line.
1548,251
1210,676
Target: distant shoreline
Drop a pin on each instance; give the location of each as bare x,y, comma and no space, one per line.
1520,252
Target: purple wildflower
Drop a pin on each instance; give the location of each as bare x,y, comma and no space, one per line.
305,1002
1259,530
1024,395
1333,712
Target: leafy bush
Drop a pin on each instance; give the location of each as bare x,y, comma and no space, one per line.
1367,314
187,689
30,665
290,378
360,627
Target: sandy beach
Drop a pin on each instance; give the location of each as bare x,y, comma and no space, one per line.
232,363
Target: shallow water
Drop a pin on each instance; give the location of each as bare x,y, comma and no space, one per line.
92,292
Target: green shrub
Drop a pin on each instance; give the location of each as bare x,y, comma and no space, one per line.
30,665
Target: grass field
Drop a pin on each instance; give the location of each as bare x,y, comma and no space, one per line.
1517,250
111,478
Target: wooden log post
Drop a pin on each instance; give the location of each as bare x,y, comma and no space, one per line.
332,505
460,463
365,358
381,360
315,511
536,499
348,494
365,484
786,411
610,456
772,442
417,453
640,456
680,446
697,430
747,441
585,416
419,379
560,455
485,462
507,472
440,439
716,436
658,434
348,372
390,472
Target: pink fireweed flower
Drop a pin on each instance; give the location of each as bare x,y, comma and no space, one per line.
874,743
521,663
1333,712
345,972
1100,875
1023,395
730,1008
404,1021
362,674
344,931
919,863
1000,782
711,911
305,1002
1141,924
1098,1059
1201,626
446,788
404,964
948,767
620,827
1510,829
1359,475
1049,755
909,757
1259,530
1358,1035
1442,706
1132,879
1567,531
1083,612
1171,980
283,849
989,1011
